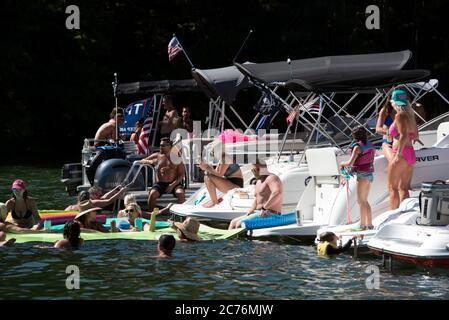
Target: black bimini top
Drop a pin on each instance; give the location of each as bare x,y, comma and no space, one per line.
337,73
221,82
161,86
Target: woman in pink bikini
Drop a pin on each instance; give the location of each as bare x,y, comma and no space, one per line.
404,131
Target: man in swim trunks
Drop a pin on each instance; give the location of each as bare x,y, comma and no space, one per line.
169,175
108,130
268,196
171,119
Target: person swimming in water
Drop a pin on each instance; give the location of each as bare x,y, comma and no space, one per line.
165,246
328,244
72,230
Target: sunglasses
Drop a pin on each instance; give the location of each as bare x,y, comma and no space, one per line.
15,189
129,210
165,145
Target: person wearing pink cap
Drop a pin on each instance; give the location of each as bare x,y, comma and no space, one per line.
23,209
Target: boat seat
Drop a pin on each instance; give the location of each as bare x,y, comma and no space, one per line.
323,165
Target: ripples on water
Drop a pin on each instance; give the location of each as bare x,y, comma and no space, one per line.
234,269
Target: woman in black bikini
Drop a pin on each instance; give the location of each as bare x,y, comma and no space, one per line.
225,177
23,208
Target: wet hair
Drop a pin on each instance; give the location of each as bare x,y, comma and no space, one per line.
115,111
167,140
167,243
327,236
72,232
360,134
94,189
83,196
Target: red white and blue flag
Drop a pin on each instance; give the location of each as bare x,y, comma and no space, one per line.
311,108
174,47
143,145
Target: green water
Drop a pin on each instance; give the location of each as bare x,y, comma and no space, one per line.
235,269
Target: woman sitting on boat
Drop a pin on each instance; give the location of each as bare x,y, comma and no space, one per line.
225,177
72,230
23,208
404,131
328,244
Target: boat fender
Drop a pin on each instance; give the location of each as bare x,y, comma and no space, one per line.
276,221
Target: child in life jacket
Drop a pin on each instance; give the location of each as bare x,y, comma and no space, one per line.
361,166
327,244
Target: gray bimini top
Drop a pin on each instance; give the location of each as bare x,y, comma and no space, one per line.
337,73
221,82
161,86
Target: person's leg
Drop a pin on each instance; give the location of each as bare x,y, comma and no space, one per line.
386,148
2,236
394,176
222,184
152,198
211,189
180,194
405,182
15,229
363,186
236,222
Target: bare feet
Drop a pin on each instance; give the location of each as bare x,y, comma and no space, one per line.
210,204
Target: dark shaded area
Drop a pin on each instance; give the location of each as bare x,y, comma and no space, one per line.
55,83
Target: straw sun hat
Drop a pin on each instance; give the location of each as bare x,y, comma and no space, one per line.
82,213
189,228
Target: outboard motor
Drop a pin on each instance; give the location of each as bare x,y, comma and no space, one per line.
434,204
113,172
101,154
71,177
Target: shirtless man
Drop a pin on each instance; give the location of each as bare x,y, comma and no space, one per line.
168,175
268,196
171,119
107,131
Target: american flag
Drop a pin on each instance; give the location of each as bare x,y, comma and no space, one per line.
174,47
292,115
143,146
312,108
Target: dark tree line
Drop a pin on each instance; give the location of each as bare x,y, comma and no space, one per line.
56,83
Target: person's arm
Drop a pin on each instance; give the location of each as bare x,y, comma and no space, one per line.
331,250
35,211
275,186
355,153
104,202
111,193
216,172
150,159
402,130
253,206
380,122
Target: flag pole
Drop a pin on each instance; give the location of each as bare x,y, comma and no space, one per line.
183,50
244,42
114,86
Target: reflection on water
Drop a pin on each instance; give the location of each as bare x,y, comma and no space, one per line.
235,269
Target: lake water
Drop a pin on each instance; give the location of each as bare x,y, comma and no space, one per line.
233,269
